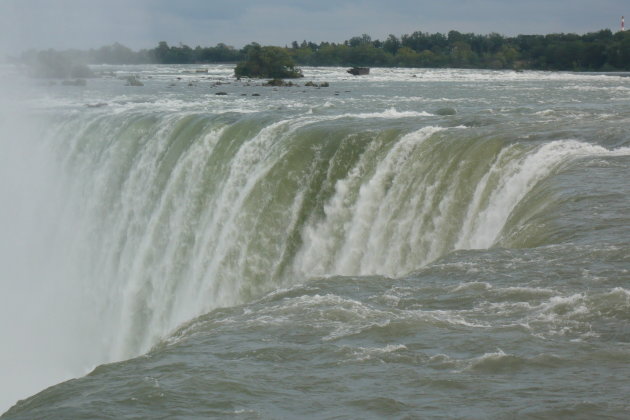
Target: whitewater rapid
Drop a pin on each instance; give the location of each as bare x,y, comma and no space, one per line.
128,220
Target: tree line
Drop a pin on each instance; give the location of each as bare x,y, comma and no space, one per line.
595,51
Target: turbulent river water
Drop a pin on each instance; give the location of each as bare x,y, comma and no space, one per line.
409,244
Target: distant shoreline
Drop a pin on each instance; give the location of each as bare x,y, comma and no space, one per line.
602,51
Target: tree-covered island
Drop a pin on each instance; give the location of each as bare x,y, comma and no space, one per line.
268,62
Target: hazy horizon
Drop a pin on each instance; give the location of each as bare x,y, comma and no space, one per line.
70,24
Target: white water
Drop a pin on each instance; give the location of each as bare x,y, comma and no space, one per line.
509,180
100,262
41,311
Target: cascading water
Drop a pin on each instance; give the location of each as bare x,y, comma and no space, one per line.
123,225
171,216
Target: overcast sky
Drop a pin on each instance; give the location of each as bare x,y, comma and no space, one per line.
84,24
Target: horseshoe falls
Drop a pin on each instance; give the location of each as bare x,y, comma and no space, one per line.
415,243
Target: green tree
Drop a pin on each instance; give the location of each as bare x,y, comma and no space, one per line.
406,57
357,41
618,51
268,62
392,44
461,53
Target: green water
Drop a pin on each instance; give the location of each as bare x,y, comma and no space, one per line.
412,244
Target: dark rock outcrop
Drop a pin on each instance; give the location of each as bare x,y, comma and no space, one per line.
359,71
279,82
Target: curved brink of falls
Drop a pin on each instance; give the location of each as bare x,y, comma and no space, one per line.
174,215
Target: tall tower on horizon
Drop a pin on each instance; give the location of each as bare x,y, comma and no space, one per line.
623,26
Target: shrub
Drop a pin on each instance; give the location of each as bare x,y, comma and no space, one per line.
267,62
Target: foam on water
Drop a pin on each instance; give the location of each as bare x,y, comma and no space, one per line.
154,210
516,177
